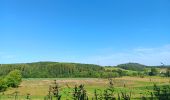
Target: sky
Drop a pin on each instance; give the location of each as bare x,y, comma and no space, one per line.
103,32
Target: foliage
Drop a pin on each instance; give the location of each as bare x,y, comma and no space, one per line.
106,94
3,85
53,92
56,69
153,72
56,90
73,70
141,90
80,93
13,79
132,66
167,74
162,93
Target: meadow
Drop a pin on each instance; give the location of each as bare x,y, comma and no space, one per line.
38,88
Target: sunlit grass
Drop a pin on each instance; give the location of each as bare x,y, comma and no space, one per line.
38,87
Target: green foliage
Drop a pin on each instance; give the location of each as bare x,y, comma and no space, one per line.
153,72
13,79
72,70
79,93
132,66
56,91
109,92
53,92
167,74
162,93
3,85
55,69
106,94
126,96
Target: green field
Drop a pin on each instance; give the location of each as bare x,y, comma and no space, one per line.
38,87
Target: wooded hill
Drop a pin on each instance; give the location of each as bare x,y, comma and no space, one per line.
53,69
61,70
132,66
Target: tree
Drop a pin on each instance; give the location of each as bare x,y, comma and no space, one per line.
153,72
14,78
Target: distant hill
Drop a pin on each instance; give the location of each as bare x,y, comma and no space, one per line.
132,66
61,70
53,69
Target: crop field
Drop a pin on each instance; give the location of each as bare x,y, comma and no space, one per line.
38,88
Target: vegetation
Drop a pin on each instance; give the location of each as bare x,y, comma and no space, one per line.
72,70
162,93
167,74
53,69
153,72
132,66
13,79
124,88
138,86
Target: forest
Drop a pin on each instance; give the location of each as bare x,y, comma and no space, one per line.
73,70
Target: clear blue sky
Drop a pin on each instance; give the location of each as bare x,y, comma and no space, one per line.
105,32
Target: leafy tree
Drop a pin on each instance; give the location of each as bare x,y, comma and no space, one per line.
153,72
14,78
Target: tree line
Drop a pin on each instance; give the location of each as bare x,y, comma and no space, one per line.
55,69
72,70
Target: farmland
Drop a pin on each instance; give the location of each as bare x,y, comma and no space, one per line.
38,87
74,81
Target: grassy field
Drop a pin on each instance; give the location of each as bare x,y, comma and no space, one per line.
38,87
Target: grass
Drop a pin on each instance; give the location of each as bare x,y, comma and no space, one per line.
38,87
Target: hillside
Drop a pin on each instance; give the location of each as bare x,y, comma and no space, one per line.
62,70
53,69
132,66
